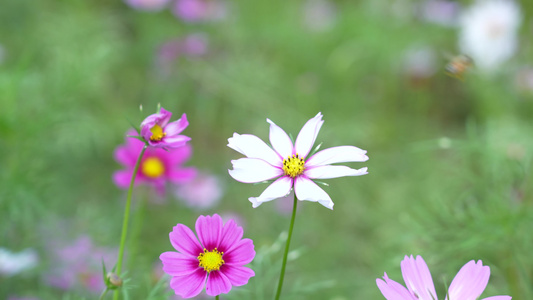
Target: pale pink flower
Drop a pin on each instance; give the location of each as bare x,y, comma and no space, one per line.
157,166
289,163
203,192
468,284
159,133
216,261
199,10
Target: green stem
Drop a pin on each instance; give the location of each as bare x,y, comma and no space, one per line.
282,275
103,294
216,297
126,220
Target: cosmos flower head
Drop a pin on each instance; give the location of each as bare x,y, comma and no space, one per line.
203,192
468,284
214,260
158,166
489,31
159,133
290,164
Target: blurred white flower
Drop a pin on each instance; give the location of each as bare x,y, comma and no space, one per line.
147,5
13,263
489,32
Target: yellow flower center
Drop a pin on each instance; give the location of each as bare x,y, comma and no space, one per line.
293,166
157,133
152,167
211,260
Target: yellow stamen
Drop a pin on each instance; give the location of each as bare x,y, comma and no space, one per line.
211,260
157,133
152,167
293,166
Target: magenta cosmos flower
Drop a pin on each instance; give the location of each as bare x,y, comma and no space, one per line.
215,261
158,166
289,163
159,133
468,284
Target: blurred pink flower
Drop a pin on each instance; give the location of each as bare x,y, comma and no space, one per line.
199,10
289,165
468,284
193,45
203,192
22,298
159,133
157,167
147,5
216,262
79,265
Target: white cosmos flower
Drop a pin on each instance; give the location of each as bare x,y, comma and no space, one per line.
489,32
289,164
12,263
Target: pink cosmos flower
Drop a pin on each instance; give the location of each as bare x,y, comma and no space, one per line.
290,164
159,133
157,167
215,261
468,284
79,264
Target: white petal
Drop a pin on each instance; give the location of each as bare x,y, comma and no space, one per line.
251,170
307,136
253,147
326,172
306,189
336,155
280,141
277,189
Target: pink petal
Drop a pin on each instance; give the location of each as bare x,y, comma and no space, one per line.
306,189
175,141
123,156
122,178
307,136
217,283
280,141
253,147
189,286
177,156
327,172
392,290
498,298
337,155
277,189
177,264
237,275
182,175
163,117
184,240
470,281
252,170
241,253
418,278
176,127
231,234
209,230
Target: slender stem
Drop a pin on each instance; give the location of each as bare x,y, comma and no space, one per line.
103,294
216,297
282,275
126,219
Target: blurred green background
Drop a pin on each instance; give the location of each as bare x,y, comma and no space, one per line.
450,160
